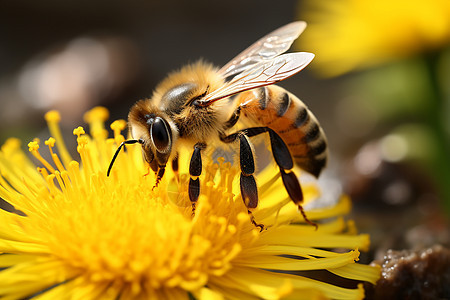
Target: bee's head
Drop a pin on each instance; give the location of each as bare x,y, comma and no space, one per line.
155,131
156,128
159,142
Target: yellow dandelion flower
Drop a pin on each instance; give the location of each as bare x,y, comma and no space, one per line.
352,34
78,234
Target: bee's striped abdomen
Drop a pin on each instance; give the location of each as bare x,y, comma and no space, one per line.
276,108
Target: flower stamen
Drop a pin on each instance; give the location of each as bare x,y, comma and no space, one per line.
53,118
33,147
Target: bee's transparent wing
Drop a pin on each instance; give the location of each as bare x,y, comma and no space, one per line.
266,48
264,73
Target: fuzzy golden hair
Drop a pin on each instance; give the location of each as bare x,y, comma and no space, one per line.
196,124
204,74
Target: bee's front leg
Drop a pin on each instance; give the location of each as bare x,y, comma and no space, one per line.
195,170
175,167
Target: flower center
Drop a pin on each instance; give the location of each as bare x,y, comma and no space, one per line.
119,230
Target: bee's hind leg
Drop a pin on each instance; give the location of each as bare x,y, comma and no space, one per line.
195,170
284,161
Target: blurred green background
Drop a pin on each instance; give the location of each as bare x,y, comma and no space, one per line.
380,85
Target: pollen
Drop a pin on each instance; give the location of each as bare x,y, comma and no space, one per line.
33,146
83,235
97,114
118,125
50,142
79,131
53,116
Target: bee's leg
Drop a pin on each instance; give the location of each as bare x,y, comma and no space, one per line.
294,190
175,164
233,119
148,171
284,161
175,167
252,219
159,175
154,166
195,169
249,190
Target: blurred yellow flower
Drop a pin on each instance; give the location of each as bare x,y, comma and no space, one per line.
78,234
352,34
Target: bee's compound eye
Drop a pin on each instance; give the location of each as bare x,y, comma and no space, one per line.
160,135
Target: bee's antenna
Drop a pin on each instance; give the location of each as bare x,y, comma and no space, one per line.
129,142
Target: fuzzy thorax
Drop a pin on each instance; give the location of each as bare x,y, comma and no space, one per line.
173,96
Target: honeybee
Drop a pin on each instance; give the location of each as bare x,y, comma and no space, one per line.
200,104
